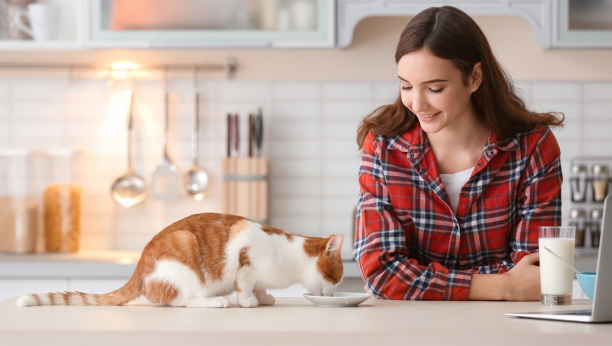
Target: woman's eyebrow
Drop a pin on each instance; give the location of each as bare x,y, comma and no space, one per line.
426,82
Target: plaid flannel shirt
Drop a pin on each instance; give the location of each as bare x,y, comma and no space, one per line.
408,242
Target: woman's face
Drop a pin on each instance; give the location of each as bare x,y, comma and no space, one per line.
433,90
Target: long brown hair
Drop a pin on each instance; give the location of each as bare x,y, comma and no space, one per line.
449,33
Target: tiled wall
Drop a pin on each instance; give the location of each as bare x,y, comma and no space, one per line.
309,137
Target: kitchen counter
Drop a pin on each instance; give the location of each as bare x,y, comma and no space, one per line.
295,321
85,264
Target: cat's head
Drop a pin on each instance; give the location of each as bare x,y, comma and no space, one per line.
327,270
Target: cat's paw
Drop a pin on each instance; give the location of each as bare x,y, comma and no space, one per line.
208,302
250,302
225,303
266,299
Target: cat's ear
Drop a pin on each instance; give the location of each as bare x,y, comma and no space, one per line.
334,244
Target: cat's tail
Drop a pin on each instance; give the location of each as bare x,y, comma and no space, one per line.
130,291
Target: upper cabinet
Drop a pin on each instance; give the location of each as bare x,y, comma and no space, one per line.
582,24
210,23
555,23
91,24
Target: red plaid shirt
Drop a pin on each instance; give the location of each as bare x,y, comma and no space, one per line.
410,245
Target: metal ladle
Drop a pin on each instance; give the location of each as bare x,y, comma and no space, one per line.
129,189
196,176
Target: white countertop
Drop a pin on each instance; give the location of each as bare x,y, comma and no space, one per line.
296,321
88,264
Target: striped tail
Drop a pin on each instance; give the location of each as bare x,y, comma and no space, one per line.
130,291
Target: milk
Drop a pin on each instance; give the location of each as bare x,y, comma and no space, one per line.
555,277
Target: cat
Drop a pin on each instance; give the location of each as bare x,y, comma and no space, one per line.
200,259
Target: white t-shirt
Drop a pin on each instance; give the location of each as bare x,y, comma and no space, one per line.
453,183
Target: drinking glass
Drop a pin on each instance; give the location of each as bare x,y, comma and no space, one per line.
556,278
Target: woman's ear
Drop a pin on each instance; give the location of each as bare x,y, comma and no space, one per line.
334,244
476,78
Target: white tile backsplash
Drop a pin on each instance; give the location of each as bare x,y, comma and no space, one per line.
601,91
597,111
557,91
293,91
309,138
350,91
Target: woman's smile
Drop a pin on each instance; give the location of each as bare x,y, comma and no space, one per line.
428,117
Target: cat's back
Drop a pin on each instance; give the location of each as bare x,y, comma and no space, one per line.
209,226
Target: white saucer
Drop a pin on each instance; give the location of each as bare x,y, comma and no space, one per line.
340,299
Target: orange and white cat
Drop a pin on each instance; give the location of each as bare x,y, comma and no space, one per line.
198,260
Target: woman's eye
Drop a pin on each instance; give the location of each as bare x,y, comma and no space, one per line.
432,90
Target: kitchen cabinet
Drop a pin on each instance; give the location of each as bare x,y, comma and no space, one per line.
90,24
70,33
189,24
582,24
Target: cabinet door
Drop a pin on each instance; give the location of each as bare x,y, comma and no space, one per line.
582,24
211,23
18,287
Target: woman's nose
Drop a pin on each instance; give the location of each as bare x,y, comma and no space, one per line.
419,103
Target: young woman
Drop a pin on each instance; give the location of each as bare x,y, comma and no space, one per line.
456,175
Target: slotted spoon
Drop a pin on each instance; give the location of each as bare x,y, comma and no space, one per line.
165,181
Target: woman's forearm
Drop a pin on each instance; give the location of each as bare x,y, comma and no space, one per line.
488,287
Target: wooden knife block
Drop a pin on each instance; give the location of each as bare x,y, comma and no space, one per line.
244,190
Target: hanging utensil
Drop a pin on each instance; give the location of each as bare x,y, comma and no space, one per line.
258,131
165,177
130,188
197,178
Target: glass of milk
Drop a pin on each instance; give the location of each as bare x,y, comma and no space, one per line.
556,279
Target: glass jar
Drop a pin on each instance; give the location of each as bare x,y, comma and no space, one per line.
595,226
19,202
599,181
578,220
61,202
578,182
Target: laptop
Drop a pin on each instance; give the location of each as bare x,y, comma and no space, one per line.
602,299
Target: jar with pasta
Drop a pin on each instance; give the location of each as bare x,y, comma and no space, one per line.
61,203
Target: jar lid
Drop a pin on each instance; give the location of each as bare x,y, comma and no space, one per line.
578,168
600,169
596,213
577,213
14,152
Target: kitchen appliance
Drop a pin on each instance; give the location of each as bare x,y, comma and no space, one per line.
129,189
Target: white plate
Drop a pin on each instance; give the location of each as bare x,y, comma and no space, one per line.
340,299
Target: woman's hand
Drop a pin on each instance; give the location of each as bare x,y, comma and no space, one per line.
523,280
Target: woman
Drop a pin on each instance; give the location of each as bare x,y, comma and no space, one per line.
456,175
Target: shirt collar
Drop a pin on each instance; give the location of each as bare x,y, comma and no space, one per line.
414,139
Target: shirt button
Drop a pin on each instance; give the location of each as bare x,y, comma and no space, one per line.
422,170
411,155
463,195
492,152
479,164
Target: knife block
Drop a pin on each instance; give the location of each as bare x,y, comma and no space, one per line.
244,190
